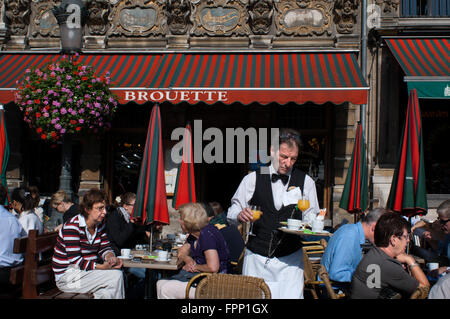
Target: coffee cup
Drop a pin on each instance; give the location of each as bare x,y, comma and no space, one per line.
294,224
163,255
432,266
317,225
125,252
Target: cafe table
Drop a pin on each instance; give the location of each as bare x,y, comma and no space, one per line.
153,269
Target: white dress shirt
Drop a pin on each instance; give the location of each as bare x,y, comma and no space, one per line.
280,193
30,220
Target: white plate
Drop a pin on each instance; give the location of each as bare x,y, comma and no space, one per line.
322,232
124,257
285,227
161,260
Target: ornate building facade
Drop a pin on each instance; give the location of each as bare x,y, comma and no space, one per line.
314,30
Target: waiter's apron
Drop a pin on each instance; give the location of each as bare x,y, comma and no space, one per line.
283,275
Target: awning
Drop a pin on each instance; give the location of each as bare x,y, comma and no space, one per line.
211,78
426,63
127,71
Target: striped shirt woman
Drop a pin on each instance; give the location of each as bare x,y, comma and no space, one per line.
83,261
76,246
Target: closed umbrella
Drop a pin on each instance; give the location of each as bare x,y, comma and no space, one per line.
408,194
185,183
151,200
4,152
354,195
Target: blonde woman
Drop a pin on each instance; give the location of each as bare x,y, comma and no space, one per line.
63,204
205,250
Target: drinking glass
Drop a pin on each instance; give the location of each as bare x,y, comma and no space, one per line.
256,215
303,203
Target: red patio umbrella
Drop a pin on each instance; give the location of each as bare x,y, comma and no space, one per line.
151,200
408,194
354,195
185,182
4,152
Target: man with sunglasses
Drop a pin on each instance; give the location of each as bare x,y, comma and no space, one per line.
270,254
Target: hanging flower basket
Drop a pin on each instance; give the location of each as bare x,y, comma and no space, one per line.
65,97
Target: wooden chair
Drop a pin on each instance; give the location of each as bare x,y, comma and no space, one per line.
310,274
312,270
37,274
227,286
237,266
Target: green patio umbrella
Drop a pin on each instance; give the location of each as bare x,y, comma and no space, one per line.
151,200
354,195
4,152
408,194
185,183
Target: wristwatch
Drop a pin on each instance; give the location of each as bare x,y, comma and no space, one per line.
413,265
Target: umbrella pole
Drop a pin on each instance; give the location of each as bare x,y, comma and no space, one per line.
151,240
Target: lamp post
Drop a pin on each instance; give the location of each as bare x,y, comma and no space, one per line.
71,16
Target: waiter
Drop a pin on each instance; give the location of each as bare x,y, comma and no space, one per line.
272,255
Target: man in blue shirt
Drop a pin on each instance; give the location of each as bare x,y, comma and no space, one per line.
10,228
344,249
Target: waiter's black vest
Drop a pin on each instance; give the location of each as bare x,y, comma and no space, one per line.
282,244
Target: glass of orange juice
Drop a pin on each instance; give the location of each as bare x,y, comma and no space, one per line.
256,215
303,203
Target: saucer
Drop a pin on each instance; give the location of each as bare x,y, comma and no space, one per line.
125,257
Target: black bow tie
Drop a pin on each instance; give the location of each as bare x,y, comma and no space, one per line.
284,178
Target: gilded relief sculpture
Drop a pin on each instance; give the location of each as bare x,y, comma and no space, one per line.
98,11
137,18
345,13
220,18
17,14
178,12
303,18
260,16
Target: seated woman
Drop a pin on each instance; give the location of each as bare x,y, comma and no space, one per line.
63,204
83,261
28,218
120,227
205,250
124,233
381,273
23,209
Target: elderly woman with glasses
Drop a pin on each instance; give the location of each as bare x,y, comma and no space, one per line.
83,261
122,231
386,269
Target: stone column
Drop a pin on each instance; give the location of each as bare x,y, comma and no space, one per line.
91,176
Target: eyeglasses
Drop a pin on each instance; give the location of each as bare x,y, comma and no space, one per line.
443,221
406,237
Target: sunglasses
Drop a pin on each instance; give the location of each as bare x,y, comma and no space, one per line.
443,221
